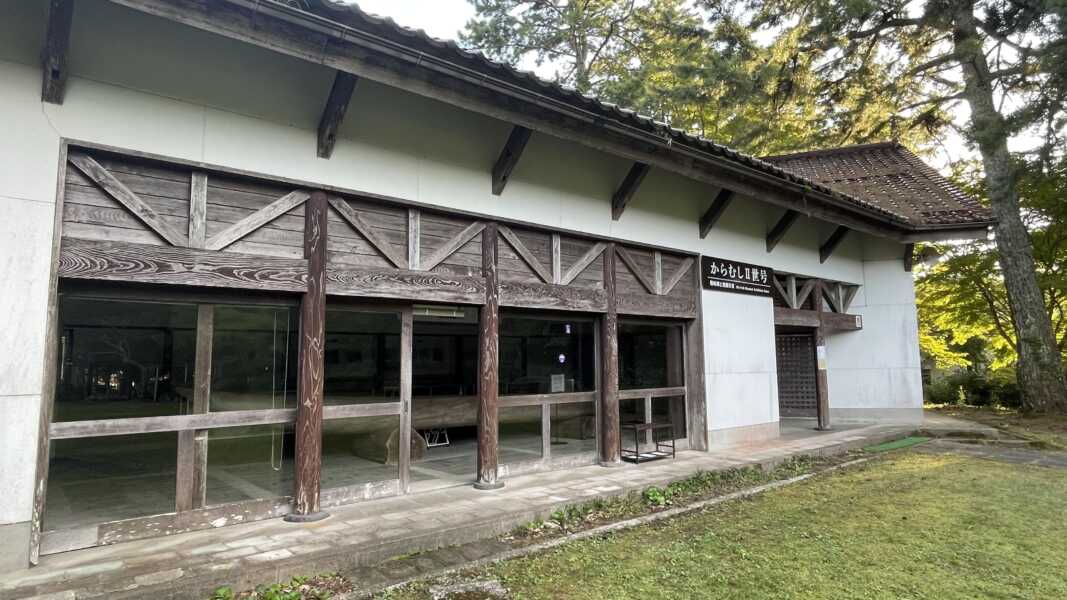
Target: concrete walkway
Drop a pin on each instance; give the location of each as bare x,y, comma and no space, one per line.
191,565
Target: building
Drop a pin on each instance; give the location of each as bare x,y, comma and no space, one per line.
263,258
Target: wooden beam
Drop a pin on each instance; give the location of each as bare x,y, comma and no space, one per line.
406,348
909,257
414,241
133,203
382,245
509,157
256,220
197,209
146,263
488,361
551,297
679,273
524,253
822,387
805,291
695,396
781,228
451,246
609,367
631,263
334,112
308,460
628,188
55,55
557,259
399,284
847,296
717,208
832,243
192,444
582,263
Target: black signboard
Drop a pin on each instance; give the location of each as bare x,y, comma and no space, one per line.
731,276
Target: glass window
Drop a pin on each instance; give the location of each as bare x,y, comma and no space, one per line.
361,450
546,355
362,357
650,355
124,359
519,434
573,428
670,410
254,358
100,479
249,463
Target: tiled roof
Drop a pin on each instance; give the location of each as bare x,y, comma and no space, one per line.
352,16
888,175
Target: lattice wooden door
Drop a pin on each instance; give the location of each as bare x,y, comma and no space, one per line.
797,396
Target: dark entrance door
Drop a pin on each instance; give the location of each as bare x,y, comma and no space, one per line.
797,391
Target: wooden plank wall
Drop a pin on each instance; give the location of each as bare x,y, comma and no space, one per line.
140,229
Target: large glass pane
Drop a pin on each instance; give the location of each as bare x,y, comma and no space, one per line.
519,434
124,359
546,354
249,463
361,450
650,355
573,428
444,395
100,479
254,360
670,410
362,357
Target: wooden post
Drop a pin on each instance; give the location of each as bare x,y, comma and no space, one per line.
488,377
406,338
609,367
312,338
192,444
821,382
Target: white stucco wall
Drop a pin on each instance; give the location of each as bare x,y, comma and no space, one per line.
144,84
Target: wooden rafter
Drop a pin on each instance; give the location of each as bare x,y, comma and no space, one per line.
672,281
451,246
628,188
375,239
582,263
133,203
524,253
717,208
54,57
628,259
256,220
832,243
509,157
334,112
781,228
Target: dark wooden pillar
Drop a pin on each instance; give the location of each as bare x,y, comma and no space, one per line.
821,382
609,367
488,377
312,338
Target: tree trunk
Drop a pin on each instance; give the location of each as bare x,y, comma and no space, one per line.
1040,370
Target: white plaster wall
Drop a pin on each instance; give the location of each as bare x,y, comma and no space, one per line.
876,373
144,84
742,385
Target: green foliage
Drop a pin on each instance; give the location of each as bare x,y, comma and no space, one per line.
321,587
964,316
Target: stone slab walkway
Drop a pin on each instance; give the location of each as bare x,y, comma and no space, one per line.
190,565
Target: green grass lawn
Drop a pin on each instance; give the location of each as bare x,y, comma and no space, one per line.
909,525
